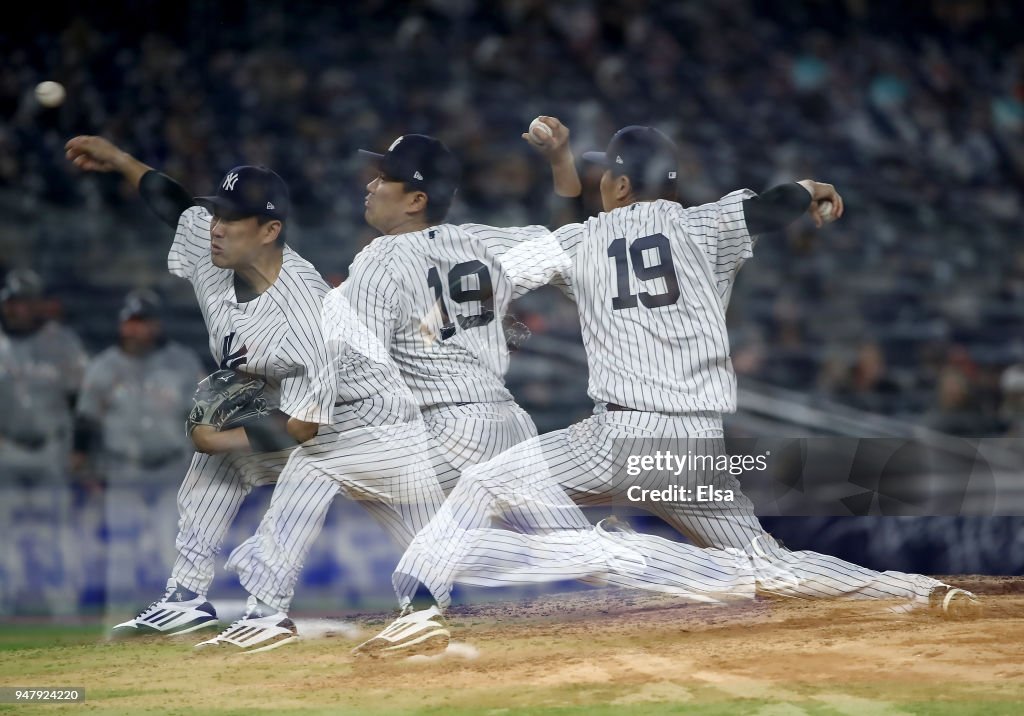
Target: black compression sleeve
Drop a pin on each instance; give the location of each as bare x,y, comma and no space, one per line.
566,210
165,197
270,433
776,208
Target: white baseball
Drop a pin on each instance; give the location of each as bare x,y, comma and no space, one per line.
540,131
825,209
50,94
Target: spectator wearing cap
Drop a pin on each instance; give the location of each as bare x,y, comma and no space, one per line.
40,374
40,379
130,438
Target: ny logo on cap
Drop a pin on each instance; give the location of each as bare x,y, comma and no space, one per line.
417,175
395,144
618,159
229,181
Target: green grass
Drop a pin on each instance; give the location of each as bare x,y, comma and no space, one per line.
16,636
152,676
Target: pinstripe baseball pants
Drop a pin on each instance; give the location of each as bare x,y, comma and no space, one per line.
535,487
375,454
208,502
383,466
465,435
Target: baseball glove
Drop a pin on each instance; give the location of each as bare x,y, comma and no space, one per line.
227,399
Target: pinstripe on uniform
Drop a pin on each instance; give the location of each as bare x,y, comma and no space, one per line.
270,337
278,337
652,282
274,336
441,294
375,452
418,323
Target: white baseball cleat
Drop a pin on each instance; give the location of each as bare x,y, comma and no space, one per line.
954,602
413,632
179,611
261,629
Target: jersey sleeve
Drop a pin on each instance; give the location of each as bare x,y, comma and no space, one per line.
308,389
536,260
360,317
568,239
502,238
371,295
720,229
353,346
191,245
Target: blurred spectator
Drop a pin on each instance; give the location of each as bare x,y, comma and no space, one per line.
130,435
41,368
959,406
915,112
865,383
41,378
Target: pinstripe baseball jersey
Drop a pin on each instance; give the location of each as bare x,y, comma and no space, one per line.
440,295
652,282
360,364
275,336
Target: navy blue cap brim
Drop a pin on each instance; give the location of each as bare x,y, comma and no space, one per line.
214,200
220,202
599,158
378,161
374,156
